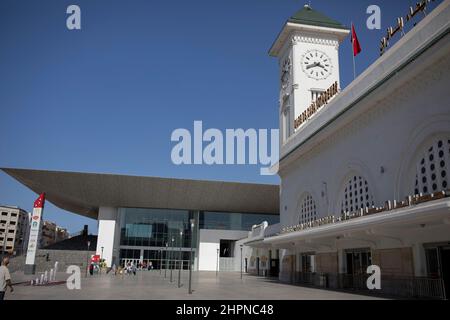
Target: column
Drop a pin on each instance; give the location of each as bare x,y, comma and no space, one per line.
419,260
141,256
107,227
313,263
341,261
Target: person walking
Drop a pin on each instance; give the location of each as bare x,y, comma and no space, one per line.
91,269
5,278
114,269
129,268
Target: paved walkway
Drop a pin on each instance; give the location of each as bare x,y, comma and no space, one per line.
150,285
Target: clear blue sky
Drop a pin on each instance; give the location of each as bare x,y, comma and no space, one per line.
107,98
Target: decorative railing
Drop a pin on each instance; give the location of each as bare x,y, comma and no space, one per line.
389,206
391,286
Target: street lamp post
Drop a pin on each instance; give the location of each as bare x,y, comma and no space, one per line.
241,261
190,255
160,261
167,257
171,257
101,262
87,257
179,257
217,263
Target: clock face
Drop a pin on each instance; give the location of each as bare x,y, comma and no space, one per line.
316,64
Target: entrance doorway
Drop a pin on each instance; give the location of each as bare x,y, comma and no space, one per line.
124,262
274,267
438,264
445,258
357,261
274,260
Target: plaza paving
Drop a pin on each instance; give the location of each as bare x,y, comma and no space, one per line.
151,285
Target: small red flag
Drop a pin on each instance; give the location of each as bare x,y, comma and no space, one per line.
39,203
355,42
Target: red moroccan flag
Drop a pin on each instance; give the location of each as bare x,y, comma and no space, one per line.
39,203
355,42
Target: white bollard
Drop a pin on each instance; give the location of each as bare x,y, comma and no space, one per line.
56,270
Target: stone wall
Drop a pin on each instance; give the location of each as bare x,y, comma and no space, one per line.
65,258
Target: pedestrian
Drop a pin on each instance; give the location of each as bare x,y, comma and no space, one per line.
5,278
129,268
91,269
133,268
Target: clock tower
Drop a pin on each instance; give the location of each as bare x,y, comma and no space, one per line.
308,53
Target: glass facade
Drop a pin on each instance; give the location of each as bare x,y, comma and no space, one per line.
146,237
146,234
154,227
234,221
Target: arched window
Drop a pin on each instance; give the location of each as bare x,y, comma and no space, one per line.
308,209
356,195
433,168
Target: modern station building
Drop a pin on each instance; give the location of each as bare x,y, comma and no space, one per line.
143,219
365,170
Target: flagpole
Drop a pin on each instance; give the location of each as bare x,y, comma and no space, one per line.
353,54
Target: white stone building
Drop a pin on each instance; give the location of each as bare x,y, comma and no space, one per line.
365,178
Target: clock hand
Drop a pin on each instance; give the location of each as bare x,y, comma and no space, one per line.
312,65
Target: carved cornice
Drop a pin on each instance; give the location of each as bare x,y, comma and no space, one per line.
314,40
